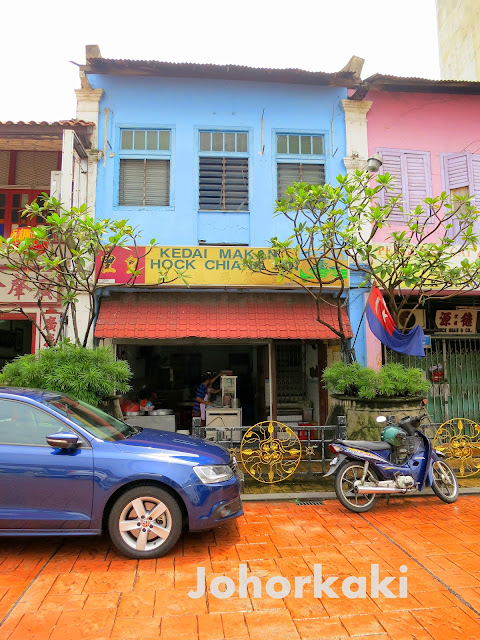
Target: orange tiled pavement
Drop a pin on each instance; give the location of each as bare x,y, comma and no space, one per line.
81,588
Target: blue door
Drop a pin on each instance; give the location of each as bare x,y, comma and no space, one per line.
41,488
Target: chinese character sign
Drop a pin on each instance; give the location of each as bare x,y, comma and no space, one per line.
457,321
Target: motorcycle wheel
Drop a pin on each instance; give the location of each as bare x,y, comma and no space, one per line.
445,483
344,484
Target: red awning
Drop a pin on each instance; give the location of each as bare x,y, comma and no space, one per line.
215,315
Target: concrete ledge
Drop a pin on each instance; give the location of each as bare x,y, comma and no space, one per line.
330,495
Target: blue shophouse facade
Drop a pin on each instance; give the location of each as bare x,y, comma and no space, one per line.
196,156
182,111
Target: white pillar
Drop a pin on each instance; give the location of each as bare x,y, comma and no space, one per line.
368,347
356,133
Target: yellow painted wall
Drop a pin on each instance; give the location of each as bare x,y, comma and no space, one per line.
459,39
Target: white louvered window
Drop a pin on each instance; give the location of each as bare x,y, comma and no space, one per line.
412,181
223,171
144,179
461,173
300,158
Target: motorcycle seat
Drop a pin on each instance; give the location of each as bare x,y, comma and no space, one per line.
366,444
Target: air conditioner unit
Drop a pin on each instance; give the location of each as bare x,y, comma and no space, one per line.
417,317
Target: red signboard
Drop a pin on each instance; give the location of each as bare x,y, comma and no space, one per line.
117,268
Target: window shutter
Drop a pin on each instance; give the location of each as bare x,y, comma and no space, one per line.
412,180
223,184
4,167
417,174
131,182
33,168
475,186
157,183
456,171
460,181
290,172
392,164
144,183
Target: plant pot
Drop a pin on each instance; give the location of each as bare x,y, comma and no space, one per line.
361,413
111,405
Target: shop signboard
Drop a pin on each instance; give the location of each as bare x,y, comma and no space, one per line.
117,268
205,266
456,320
223,266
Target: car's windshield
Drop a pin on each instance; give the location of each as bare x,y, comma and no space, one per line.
94,420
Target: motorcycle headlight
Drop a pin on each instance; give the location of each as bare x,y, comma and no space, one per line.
210,474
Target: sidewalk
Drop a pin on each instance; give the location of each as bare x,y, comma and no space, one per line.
82,589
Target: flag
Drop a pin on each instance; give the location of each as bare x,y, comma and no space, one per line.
383,327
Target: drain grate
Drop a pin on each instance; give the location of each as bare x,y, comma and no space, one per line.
302,503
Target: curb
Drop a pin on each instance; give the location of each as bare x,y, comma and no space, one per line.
330,495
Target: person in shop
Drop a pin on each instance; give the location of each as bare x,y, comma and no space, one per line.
202,395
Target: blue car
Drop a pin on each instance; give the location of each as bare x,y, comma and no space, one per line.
67,468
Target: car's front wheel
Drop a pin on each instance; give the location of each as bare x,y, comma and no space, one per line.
145,522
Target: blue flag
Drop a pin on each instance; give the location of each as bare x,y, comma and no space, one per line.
383,327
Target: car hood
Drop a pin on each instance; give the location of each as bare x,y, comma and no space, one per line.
173,445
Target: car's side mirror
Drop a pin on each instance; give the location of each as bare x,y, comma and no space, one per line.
63,440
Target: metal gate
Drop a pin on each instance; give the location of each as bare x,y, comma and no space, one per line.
452,364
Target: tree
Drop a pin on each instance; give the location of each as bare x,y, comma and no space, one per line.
64,255
353,227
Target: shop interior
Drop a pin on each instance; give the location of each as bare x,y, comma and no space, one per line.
15,339
167,374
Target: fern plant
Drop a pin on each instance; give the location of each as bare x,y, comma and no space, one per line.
87,374
392,380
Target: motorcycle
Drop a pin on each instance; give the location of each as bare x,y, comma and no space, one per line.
403,462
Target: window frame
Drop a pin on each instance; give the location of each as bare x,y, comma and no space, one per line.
298,158
146,154
83,442
399,217
470,159
223,154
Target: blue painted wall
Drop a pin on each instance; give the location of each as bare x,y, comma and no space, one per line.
187,105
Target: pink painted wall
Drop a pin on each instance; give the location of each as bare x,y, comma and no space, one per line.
439,123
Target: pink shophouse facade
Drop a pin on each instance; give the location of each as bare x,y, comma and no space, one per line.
428,134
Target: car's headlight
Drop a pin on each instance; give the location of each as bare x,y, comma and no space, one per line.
210,474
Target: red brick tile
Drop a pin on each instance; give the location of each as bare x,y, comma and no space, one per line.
102,600
185,626
80,625
106,581
173,602
137,628
154,581
69,583
35,626
265,625
234,625
323,628
362,625
70,602
210,626
136,605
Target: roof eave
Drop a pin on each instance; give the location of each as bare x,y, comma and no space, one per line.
101,66
379,82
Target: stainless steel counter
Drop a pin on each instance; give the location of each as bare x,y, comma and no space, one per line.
164,423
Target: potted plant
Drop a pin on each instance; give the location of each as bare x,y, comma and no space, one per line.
91,375
361,394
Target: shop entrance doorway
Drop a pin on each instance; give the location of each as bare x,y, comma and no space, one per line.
171,372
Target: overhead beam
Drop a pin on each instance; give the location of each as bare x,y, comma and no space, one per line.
21,144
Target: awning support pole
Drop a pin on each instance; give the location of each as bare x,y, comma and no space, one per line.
272,376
